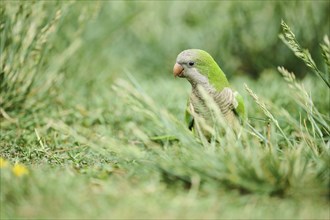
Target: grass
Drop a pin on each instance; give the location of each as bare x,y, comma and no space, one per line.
88,131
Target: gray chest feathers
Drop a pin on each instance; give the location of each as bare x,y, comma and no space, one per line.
225,101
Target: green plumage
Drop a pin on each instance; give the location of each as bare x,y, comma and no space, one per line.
240,109
209,68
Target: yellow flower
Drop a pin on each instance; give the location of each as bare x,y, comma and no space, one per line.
20,170
3,163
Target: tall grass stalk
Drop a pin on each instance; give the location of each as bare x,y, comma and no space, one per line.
22,61
267,113
30,68
288,37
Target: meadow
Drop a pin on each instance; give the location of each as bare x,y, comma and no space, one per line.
92,119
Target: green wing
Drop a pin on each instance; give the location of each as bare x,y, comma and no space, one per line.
240,109
188,117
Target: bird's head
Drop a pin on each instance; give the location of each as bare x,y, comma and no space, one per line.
198,67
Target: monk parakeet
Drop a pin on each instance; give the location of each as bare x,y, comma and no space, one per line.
200,69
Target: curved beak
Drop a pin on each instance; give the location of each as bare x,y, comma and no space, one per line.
177,70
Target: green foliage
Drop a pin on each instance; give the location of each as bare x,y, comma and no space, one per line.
89,106
30,69
23,61
245,164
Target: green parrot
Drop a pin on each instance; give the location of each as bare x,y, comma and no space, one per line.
200,69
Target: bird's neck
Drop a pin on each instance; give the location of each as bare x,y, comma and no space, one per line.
216,76
209,84
218,79
209,88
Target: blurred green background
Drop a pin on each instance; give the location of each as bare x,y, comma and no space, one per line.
103,40
144,37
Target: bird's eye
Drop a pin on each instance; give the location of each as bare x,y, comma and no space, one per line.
191,63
